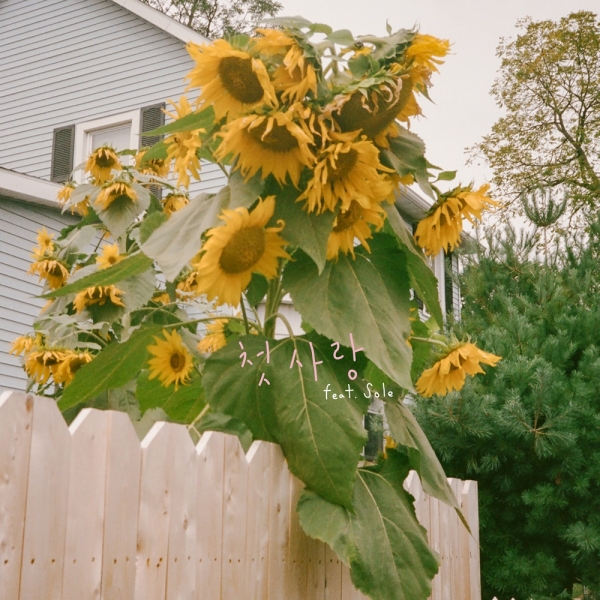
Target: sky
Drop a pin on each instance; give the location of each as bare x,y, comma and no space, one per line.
463,110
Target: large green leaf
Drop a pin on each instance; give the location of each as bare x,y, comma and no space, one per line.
368,297
406,432
422,278
117,364
321,435
177,241
197,120
122,212
182,405
308,231
132,265
382,541
213,421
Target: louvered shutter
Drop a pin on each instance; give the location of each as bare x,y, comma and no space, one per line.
152,118
451,285
62,153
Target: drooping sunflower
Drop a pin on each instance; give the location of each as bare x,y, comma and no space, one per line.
182,146
449,373
353,223
100,164
41,364
274,144
347,170
72,361
50,269
231,81
45,243
215,336
174,202
154,166
237,249
119,191
110,256
24,344
295,77
427,51
172,362
64,195
441,228
98,295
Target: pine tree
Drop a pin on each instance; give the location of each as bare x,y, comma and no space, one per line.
529,430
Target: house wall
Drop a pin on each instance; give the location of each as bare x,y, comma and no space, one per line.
19,306
72,61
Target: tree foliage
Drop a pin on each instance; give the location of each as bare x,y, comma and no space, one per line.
528,431
218,18
549,88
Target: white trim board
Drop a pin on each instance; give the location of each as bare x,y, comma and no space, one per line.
162,21
26,187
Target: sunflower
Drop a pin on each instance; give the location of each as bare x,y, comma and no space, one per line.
215,336
64,372
237,249
119,191
295,77
275,144
161,297
154,166
24,344
98,295
231,81
101,163
64,195
172,362
427,51
353,223
50,269
41,364
110,256
44,240
347,171
441,228
174,202
449,373
182,146
188,288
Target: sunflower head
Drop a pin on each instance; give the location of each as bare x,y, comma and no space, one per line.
215,337
98,295
154,166
41,364
449,373
109,256
172,362
427,51
44,240
231,81
53,271
235,250
101,163
174,202
72,361
118,191
24,344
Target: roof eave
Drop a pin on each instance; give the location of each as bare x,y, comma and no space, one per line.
28,188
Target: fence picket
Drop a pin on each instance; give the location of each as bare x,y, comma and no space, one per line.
82,577
123,469
46,509
471,512
333,575
16,415
297,550
434,543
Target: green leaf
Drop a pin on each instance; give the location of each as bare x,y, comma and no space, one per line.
244,193
197,120
182,405
122,212
308,231
382,541
214,421
138,290
422,278
407,154
150,224
321,437
117,364
177,241
257,289
446,176
156,152
341,36
406,432
144,425
132,265
368,297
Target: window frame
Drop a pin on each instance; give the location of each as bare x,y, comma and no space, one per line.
83,131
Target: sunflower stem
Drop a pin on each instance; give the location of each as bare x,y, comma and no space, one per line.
200,415
429,341
271,306
243,305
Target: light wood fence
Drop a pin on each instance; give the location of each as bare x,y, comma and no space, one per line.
87,512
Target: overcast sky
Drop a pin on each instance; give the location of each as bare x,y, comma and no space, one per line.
463,111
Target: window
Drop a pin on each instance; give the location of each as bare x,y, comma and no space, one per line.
119,131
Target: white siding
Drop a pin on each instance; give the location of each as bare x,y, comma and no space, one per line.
19,305
71,61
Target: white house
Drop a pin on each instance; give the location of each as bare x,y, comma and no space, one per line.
75,74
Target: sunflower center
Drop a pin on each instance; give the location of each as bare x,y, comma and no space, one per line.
345,220
105,160
177,361
279,139
345,163
243,250
240,80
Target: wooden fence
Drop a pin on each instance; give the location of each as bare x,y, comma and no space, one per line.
87,512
